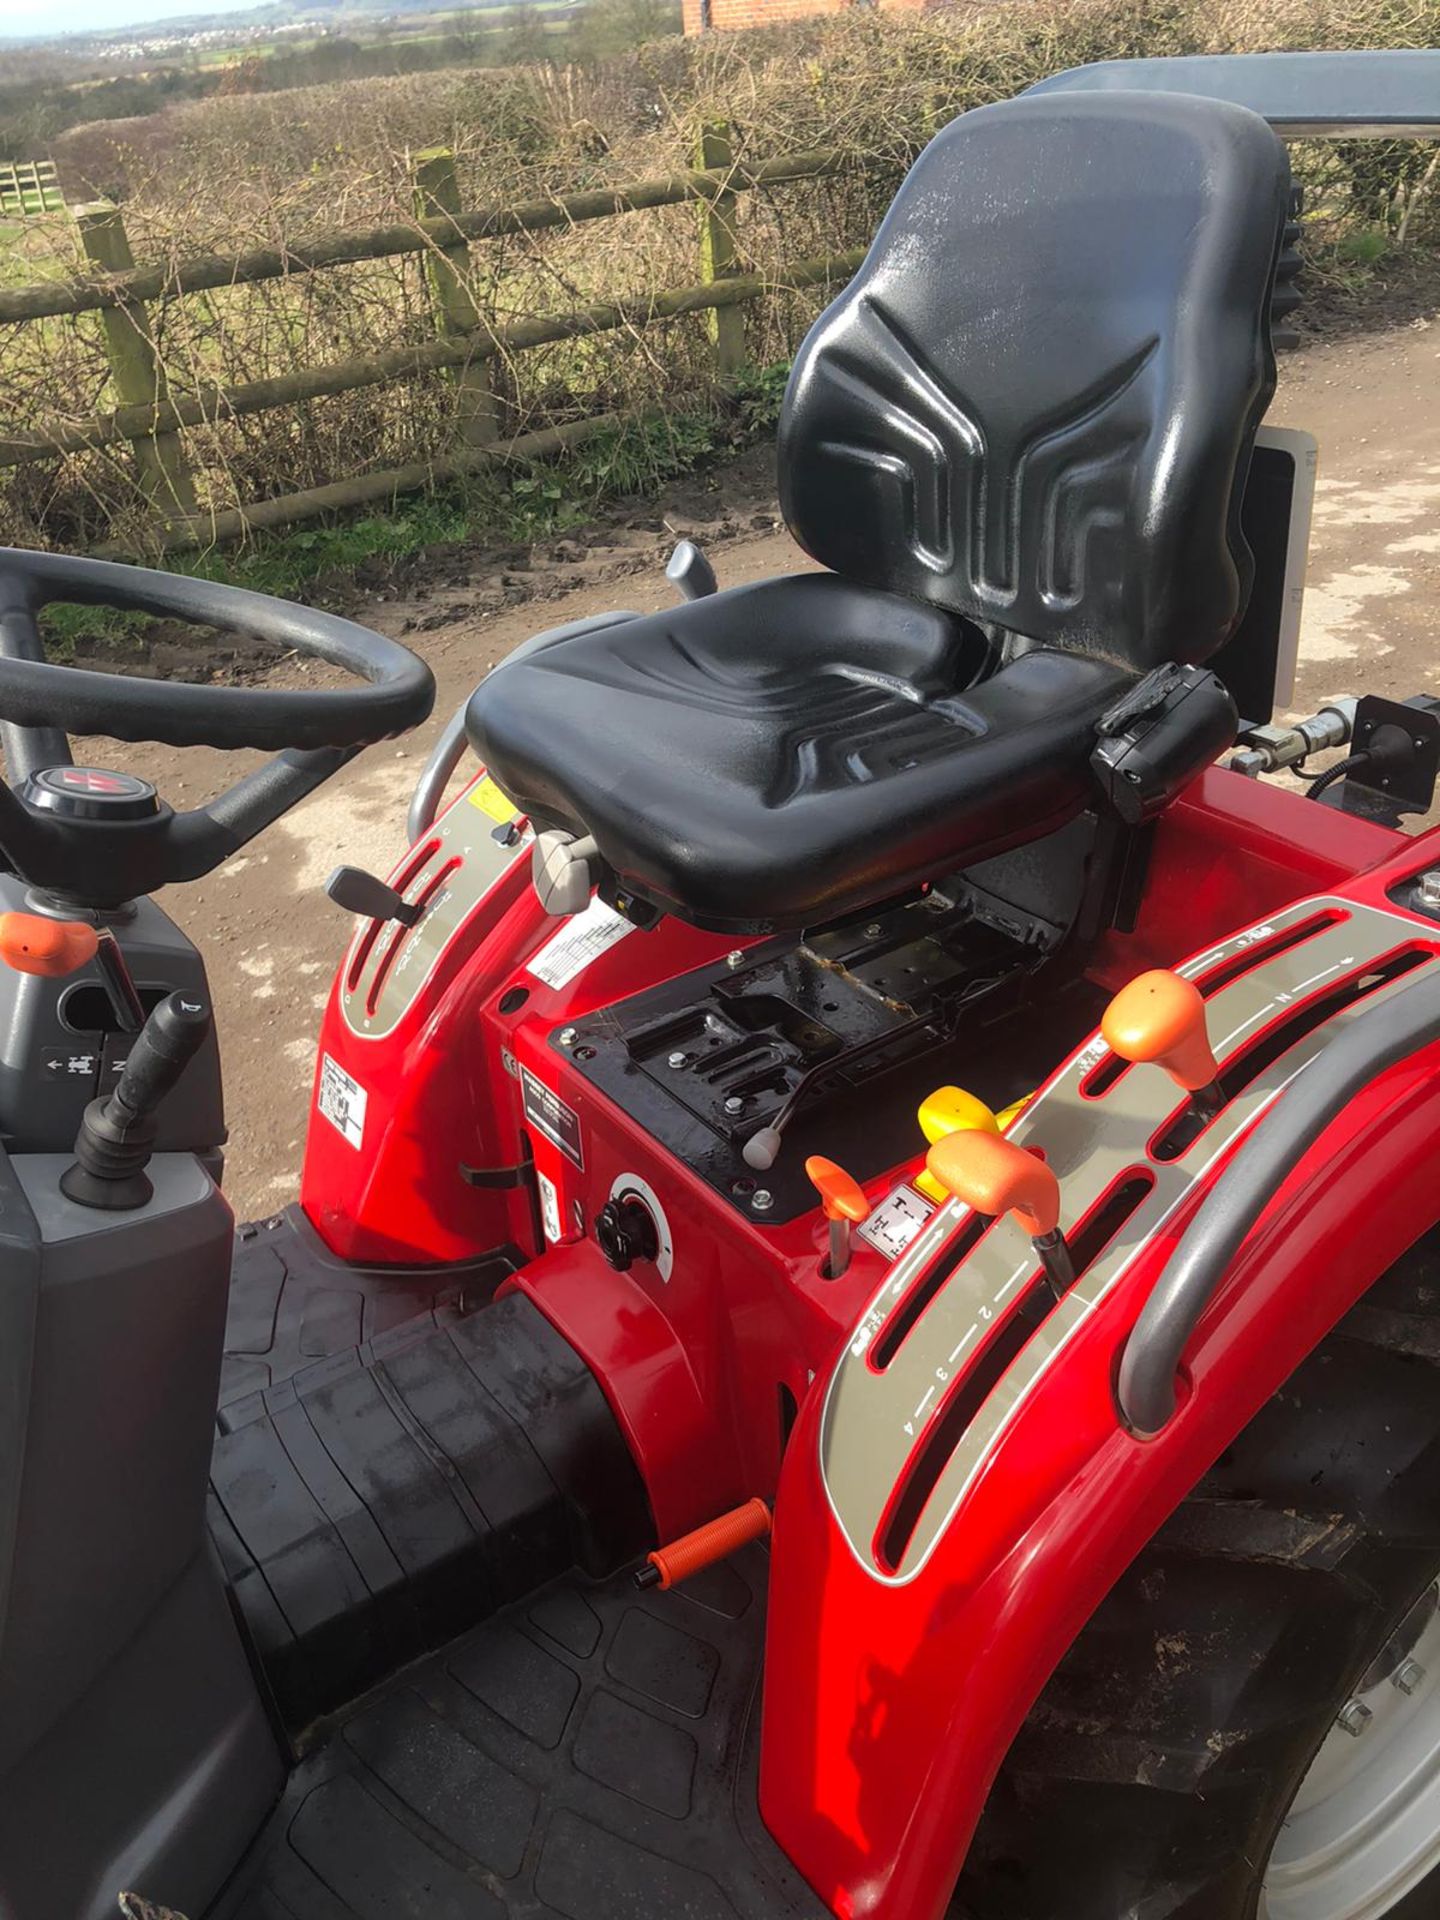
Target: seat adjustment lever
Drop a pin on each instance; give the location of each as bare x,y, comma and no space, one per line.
560,870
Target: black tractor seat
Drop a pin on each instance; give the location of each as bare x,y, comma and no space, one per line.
1019,440
784,753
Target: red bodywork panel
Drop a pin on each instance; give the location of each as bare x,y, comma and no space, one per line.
888,1705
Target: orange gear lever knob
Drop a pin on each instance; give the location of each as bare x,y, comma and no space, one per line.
843,1202
994,1175
841,1197
32,944
1160,1017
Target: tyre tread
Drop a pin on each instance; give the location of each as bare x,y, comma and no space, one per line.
1149,1779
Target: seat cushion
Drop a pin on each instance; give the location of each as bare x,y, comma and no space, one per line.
1035,403
785,753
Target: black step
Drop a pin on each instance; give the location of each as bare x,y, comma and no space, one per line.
372,1499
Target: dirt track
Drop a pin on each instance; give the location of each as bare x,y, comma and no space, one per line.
1371,624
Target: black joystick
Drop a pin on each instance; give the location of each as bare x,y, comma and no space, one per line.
117,1134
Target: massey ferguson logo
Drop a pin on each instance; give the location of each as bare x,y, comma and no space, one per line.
90,780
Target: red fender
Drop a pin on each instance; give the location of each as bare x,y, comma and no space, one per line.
889,1707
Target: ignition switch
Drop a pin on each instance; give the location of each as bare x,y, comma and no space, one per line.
625,1232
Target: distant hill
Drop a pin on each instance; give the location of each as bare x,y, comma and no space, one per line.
247,20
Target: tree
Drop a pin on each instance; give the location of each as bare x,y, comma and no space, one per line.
606,27
523,40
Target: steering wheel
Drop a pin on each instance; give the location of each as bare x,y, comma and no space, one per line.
96,838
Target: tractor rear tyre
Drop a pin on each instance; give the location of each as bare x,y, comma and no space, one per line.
1249,1726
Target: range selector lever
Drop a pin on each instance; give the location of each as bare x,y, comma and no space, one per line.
117,1133
1160,1018
995,1175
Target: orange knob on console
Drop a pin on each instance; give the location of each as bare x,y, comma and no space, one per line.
841,1197
1160,1017
32,944
993,1175
843,1202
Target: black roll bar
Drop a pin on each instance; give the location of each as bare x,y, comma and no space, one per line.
1377,95
1373,1041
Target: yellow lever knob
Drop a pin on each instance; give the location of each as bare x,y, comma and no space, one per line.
951,1110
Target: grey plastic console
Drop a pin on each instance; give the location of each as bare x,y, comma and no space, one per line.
60,1045
135,1753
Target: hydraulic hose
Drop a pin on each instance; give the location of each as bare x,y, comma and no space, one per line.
1375,1040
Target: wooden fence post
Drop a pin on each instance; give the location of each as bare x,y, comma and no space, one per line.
447,269
135,370
718,252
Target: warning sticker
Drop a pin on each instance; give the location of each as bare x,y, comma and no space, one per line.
491,801
583,938
342,1100
549,1206
549,1115
896,1222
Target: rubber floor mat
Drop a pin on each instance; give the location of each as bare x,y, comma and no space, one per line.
589,1753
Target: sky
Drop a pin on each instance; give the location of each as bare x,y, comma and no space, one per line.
32,17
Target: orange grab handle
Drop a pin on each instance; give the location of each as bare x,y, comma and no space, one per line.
993,1174
32,944
716,1540
1160,1017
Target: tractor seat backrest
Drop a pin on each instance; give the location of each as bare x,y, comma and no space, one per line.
1036,401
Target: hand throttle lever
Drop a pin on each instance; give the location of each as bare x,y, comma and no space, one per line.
117,1133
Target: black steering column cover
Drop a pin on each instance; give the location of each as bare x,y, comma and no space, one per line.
34,693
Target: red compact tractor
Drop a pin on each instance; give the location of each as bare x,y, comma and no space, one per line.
862,1335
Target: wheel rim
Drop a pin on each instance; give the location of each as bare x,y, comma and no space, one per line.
1364,1827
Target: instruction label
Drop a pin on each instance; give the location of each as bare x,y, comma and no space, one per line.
342,1100
548,1114
549,1206
491,801
583,938
896,1221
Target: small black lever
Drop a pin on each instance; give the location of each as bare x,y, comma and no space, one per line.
361,893
117,1133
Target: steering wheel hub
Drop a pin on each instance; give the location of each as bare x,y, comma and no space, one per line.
91,793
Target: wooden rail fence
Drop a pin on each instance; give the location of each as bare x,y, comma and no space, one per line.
152,416
28,187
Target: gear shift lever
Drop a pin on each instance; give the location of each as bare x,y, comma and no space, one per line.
995,1175
117,1134
1160,1017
